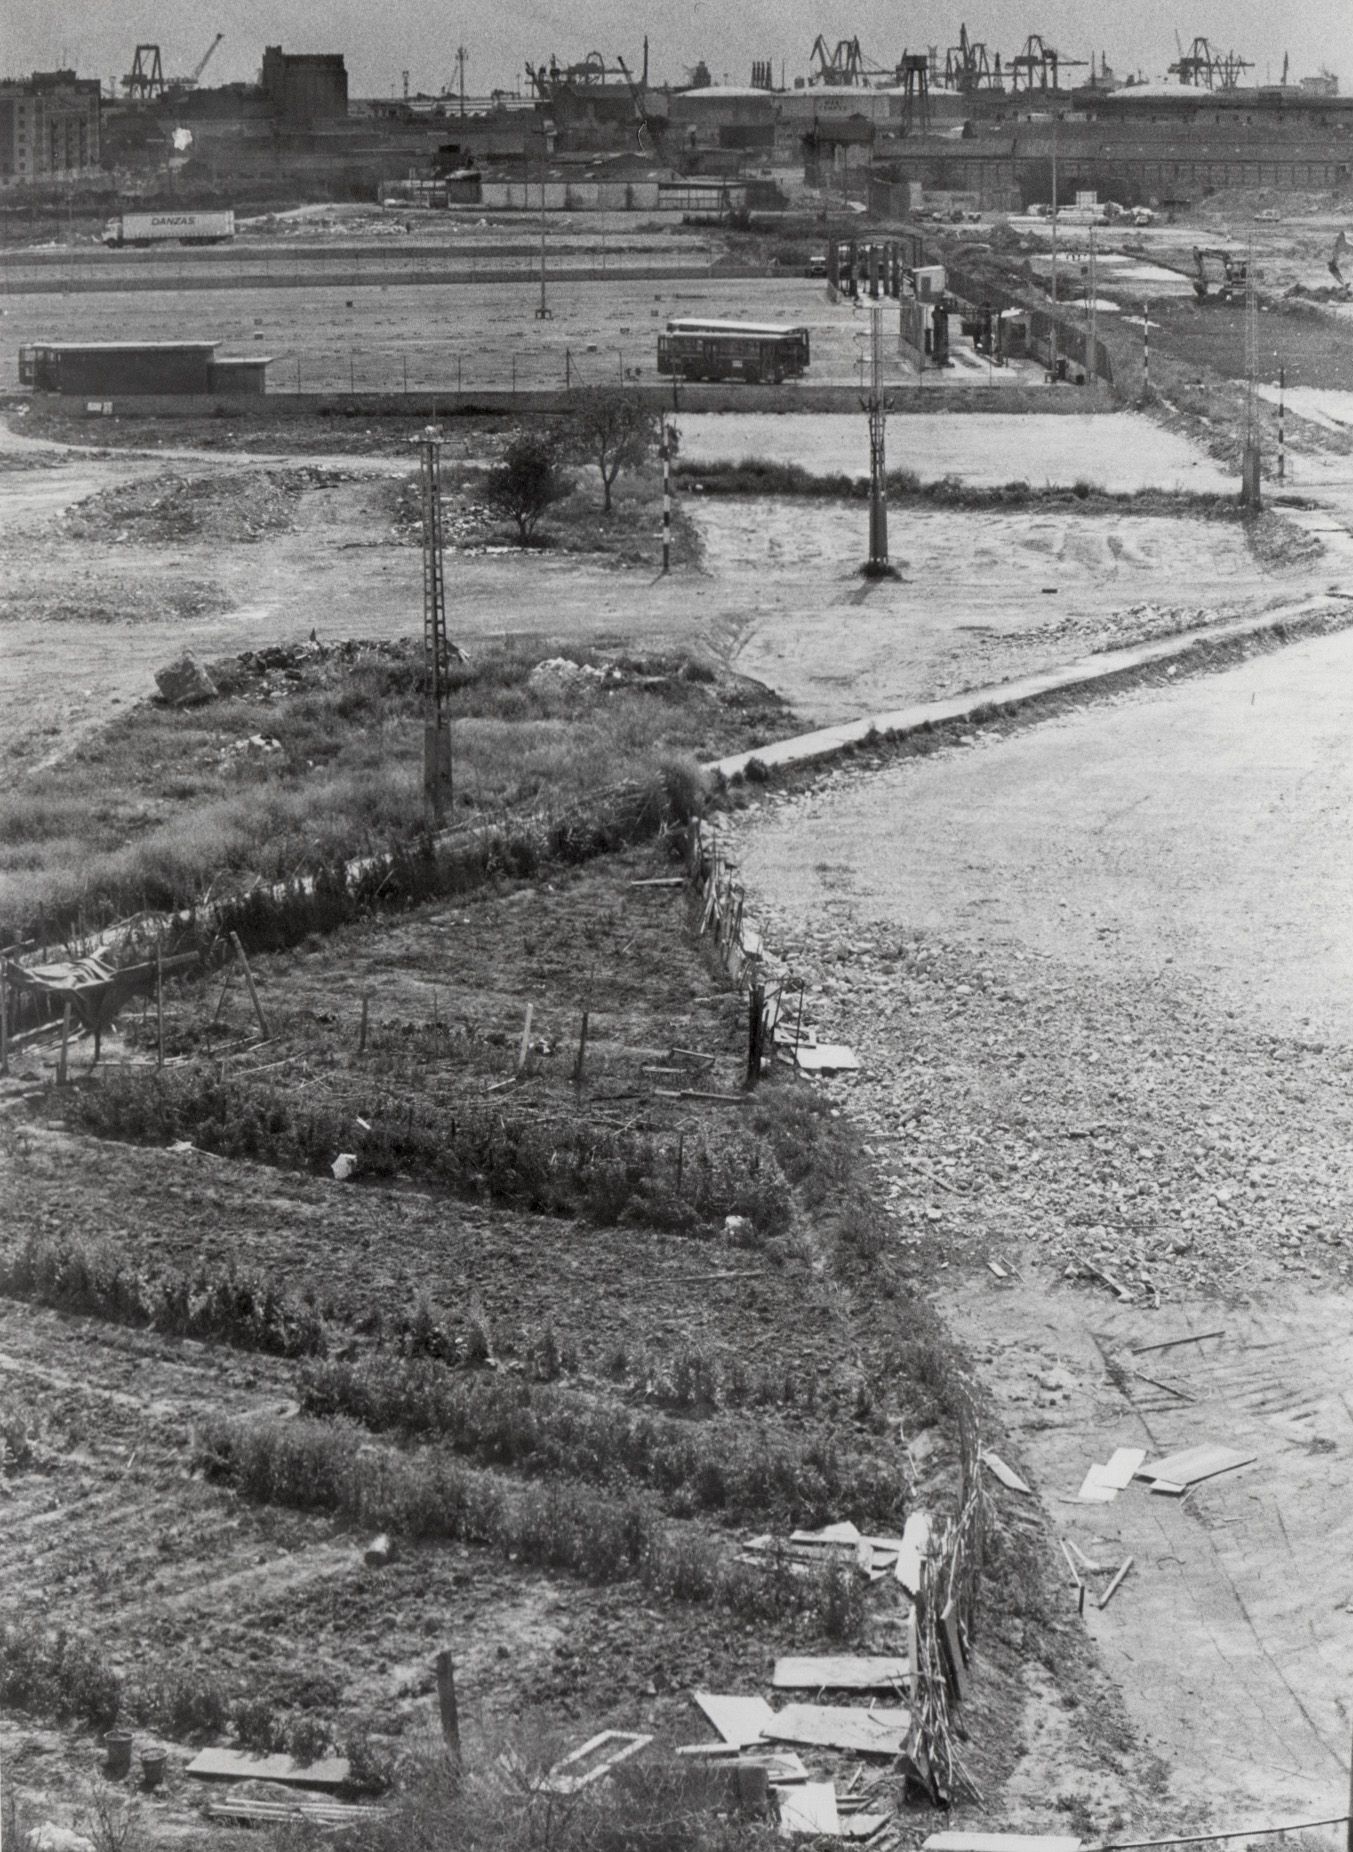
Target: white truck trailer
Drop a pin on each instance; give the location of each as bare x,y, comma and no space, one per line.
143,228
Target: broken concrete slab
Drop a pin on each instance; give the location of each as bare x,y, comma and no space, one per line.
809,1810
840,1672
235,1765
847,1727
915,1548
185,683
739,1721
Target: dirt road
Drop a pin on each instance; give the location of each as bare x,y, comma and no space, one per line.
1097,977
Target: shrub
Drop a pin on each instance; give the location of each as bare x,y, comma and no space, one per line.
184,1704
258,1727
528,481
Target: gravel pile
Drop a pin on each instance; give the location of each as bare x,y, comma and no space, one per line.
1018,1108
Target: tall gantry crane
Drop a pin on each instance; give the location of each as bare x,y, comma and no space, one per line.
190,82
969,66
1039,65
1203,67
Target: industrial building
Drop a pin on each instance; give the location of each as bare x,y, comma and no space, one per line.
117,369
305,87
49,127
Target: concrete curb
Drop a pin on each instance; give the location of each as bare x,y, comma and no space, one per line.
1086,675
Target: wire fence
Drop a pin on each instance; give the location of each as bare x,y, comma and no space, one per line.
116,273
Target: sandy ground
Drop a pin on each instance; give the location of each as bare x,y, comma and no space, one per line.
1200,829
1118,450
778,595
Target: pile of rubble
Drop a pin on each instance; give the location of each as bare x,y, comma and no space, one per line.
234,505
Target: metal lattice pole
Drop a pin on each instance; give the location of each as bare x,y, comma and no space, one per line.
436,648
878,469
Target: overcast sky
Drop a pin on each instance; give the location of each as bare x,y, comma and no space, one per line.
380,42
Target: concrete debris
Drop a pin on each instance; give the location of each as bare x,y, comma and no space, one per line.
840,1672
561,674
1006,1474
847,1727
235,1765
344,1166
185,683
49,1837
1193,1465
809,1810
380,1552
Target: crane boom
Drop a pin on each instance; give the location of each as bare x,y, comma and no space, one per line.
205,59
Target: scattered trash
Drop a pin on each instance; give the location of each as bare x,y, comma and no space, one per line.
1178,1471
1113,1587
595,1759
999,1842
380,1551
235,1765
1006,1474
826,1058
830,1672
1190,1337
344,1165
830,1726
809,1810
49,1837
739,1721
915,1547
1102,1484
180,1145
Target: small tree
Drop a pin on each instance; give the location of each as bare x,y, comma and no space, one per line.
528,480
610,427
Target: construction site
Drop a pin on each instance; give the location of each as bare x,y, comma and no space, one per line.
670,1077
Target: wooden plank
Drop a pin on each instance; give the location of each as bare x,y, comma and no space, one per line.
1194,1464
1123,1467
808,1809
235,1765
321,1813
1113,1587
829,1726
833,1672
999,1842
1006,1474
1093,1489
951,1646
862,1825
739,1721
1190,1337
826,1058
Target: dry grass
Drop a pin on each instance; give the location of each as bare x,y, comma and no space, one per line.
165,805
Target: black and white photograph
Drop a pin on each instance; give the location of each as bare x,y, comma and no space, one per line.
676,927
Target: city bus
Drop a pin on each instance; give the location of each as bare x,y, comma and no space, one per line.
750,351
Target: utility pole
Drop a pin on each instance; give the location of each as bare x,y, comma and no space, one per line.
877,566
1092,351
1052,349
671,444
1146,350
437,788
460,61
1250,490
544,313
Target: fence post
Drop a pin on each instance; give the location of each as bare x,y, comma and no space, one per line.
1282,424
249,980
159,1005
4,1021
446,1701
65,1039
352,373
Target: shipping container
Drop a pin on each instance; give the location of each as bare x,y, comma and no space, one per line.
144,228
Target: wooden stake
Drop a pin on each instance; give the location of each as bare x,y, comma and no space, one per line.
159,1006
4,1023
582,1050
446,1700
681,1159
524,1048
361,1040
1112,1589
225,992
249,980
65,1038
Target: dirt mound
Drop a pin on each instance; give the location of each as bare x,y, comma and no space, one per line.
165,509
